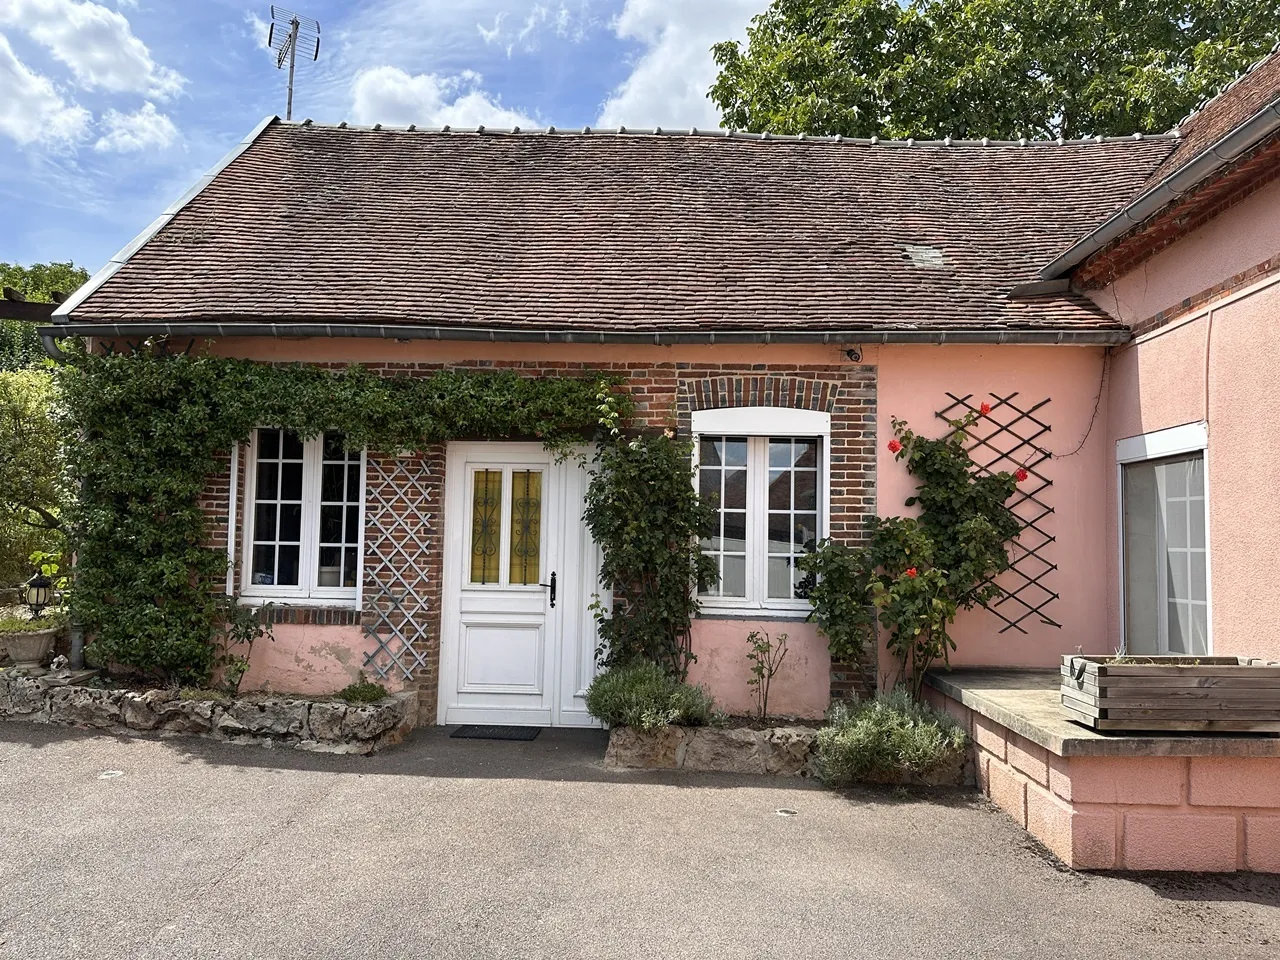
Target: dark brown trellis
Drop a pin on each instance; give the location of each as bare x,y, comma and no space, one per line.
1006,438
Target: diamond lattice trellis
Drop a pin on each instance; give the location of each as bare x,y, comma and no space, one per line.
1004,439
397,582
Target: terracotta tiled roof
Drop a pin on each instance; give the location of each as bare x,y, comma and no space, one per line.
1244,97
623,232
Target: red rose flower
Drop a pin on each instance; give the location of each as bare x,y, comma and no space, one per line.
984,409
894,446
1021,474
912,572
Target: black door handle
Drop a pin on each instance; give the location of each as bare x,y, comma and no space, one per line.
552,585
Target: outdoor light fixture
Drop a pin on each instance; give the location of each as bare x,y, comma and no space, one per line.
854,354
39,593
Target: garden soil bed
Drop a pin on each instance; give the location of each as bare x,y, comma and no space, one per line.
328,726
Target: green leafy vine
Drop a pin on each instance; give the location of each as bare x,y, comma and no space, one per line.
147,430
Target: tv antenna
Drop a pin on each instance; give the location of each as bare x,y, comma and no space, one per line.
288,30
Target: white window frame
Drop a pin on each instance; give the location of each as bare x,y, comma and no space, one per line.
758,424
1158,445
309,552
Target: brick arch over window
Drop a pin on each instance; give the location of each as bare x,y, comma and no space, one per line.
799,393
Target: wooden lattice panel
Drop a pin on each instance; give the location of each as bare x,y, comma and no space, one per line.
1004,439
398,581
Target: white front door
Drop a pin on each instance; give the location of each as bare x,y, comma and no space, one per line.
514,648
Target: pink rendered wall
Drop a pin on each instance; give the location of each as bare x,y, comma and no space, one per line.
308,659
1226,373
801,688
913,382
1240,238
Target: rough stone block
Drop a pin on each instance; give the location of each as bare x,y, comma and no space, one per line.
989,736
1129,780
1198,842
142,711
324,721
6,703
187,716
789,751
372,720
1235,781
1008,790
1262,843
277,718
734,750
28,698
85,707
1029,758
659,750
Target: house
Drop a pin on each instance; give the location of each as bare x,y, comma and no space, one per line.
779,300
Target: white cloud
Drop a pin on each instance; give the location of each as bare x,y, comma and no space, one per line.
392,96
523,34
31,109
257,29
95,42
128,132
669,84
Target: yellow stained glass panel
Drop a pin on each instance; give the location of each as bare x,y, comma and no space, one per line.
486,525
526,526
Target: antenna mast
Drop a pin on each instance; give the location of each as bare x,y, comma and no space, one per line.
288,29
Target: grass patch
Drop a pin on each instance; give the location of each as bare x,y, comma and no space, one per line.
362,691
881,740
201,693
642,695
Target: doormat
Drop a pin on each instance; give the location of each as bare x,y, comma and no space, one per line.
481,731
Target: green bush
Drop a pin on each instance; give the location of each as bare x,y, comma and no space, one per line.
881,740
362,691
643,695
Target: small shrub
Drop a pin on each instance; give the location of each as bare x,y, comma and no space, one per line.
362,691
880,740
644,696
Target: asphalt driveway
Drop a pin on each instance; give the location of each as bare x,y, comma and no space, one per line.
449,849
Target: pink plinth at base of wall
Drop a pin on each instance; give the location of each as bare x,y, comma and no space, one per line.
1185,813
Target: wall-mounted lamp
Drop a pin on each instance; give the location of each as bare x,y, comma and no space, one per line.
854,354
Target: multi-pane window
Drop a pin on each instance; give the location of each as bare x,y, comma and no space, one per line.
1166,557
304,522
506,522
767,495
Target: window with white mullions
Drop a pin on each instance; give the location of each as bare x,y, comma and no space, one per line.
767,491
306,518
793,511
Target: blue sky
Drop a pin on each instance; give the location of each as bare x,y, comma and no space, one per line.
109,110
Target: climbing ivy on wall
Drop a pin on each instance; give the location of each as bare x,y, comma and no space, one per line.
146,430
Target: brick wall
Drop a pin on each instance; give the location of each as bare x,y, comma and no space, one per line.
404,492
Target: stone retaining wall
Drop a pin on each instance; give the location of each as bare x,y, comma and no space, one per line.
781,751
329,726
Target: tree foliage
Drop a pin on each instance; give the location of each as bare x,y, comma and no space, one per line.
32,493
975,68
150,429
644,512
19,343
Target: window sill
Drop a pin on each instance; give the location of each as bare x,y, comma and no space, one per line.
330,615
752,613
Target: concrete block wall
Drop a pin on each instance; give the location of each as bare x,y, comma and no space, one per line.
1199,813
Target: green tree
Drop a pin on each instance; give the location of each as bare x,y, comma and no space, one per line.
31,485
975,68
19,343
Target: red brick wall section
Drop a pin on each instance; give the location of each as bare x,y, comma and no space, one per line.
404,492
1225,288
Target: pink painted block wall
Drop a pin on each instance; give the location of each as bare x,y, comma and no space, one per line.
801,688
309,659
913,383
1219,364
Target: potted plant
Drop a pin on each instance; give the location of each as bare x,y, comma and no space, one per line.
29,640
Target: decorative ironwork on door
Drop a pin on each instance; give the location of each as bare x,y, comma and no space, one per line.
1005,438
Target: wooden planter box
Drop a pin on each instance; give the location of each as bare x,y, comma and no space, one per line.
1204,694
